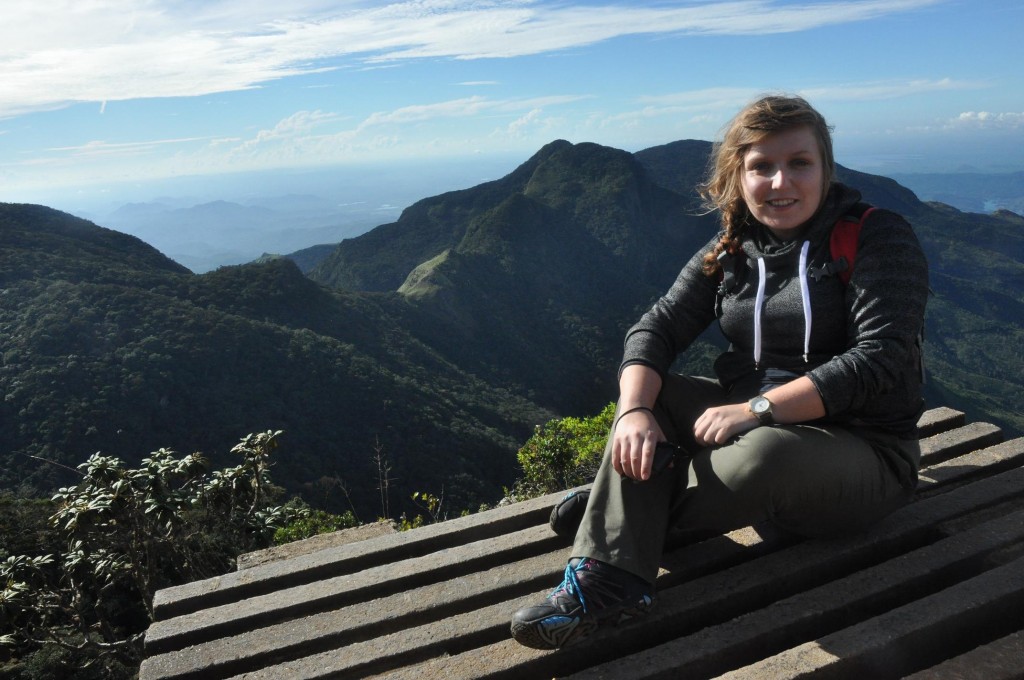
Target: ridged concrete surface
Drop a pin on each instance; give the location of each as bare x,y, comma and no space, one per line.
936,590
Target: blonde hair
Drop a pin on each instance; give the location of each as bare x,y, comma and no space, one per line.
722,191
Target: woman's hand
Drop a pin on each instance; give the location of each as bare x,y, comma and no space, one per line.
797,401
633,442
636,433
719,424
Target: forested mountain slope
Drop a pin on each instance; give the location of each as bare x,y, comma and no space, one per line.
438,341
108,346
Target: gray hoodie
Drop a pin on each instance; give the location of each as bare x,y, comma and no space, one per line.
857,342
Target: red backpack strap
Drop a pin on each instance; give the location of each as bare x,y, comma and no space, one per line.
844,239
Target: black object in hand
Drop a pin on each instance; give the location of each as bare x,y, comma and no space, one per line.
664,454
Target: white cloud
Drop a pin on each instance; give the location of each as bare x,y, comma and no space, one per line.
984,120
298,139
974,121
102,148
304,138
702,113
879,90
301,123
64,51
420,112
519,126
488,30
712,104
459,108
100,154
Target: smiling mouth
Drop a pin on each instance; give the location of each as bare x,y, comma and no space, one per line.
782,202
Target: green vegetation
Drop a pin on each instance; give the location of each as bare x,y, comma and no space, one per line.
420,356
111,347
119,535
442,339
563,454
306,522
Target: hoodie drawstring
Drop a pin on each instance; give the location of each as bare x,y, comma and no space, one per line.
758,305
805,298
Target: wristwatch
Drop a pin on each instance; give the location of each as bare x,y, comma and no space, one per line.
762,409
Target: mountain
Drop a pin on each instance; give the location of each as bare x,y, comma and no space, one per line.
537,274
969,191
109,346
203,236
975,314
435,343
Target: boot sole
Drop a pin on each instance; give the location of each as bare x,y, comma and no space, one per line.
558,630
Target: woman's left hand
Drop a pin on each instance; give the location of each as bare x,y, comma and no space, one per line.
719,424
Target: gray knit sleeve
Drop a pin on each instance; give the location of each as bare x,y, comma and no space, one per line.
676,319
885,302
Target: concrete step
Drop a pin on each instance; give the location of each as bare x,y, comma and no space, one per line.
688,605
1002,659
898,641
436,601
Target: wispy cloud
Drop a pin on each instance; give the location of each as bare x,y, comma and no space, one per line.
892,89
98,153
985,120
298,137
463,108
65,51
702,112
533,123
102,148
299,124
708,101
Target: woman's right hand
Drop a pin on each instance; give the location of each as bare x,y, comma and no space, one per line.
636,431
633,442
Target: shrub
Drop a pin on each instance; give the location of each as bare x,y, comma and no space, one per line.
125,533
563,454
307,522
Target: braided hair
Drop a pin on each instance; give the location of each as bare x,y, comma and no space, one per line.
722,190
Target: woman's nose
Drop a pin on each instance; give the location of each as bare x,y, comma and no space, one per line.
778,179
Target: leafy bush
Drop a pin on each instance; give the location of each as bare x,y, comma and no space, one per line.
308,522
563,453
126,533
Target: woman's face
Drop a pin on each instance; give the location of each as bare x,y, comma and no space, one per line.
782,180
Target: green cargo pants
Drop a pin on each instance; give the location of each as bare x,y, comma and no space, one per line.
813,480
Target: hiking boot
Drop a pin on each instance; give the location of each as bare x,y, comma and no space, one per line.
592,593
567,514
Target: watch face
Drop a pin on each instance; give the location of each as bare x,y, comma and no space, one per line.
760,405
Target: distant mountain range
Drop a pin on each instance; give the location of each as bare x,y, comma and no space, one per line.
436,342
207,235
204,234
969,191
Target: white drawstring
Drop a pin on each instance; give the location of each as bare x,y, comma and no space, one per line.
805,296
758,304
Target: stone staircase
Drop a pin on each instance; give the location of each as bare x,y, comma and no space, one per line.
934,591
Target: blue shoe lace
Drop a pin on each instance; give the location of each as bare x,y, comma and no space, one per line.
571,585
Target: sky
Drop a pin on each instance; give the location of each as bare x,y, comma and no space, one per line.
100,95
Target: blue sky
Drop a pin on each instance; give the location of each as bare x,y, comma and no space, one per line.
106,93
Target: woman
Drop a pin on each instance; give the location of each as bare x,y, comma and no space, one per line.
811,422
